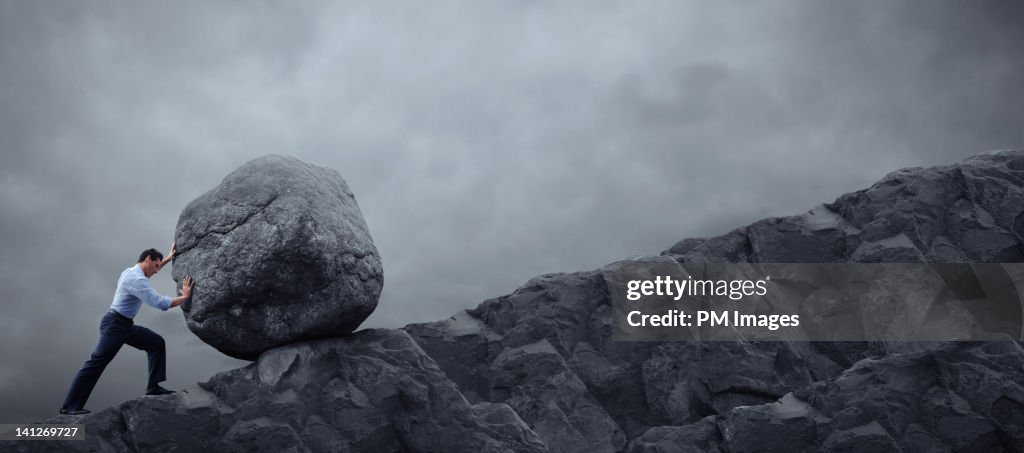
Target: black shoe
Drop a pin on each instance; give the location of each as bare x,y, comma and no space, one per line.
64,411
158,390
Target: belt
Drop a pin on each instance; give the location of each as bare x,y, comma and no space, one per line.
119,315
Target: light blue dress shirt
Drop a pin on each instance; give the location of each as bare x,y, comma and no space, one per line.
133,289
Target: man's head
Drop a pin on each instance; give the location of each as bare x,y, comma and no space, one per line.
150,260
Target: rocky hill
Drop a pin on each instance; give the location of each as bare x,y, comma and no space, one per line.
536,370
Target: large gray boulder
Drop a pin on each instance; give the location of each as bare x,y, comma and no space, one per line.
280,253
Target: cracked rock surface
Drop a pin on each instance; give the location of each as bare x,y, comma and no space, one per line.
280,253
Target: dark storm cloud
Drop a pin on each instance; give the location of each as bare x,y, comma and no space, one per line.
486,142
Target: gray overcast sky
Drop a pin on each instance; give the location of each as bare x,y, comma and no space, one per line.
486,142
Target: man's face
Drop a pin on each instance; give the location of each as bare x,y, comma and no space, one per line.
149,267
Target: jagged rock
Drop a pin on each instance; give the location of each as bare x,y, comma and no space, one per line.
969,211
682,394
868,437
538,378
660,394
965,396
785,425
700,437
280,253
374,390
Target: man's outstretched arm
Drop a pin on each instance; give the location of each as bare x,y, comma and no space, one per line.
169,257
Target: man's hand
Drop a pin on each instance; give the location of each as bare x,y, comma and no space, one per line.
169,257
186,292
186,287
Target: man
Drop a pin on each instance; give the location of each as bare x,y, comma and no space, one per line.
117,328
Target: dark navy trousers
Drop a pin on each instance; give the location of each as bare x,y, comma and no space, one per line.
117,330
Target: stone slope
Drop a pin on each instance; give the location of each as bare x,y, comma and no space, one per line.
537,370
534,348
374,390
969,211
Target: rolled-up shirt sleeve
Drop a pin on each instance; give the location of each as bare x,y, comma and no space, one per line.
144,291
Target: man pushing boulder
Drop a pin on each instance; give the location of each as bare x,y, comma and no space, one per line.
118,328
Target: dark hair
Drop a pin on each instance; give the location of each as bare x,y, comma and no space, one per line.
153,254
